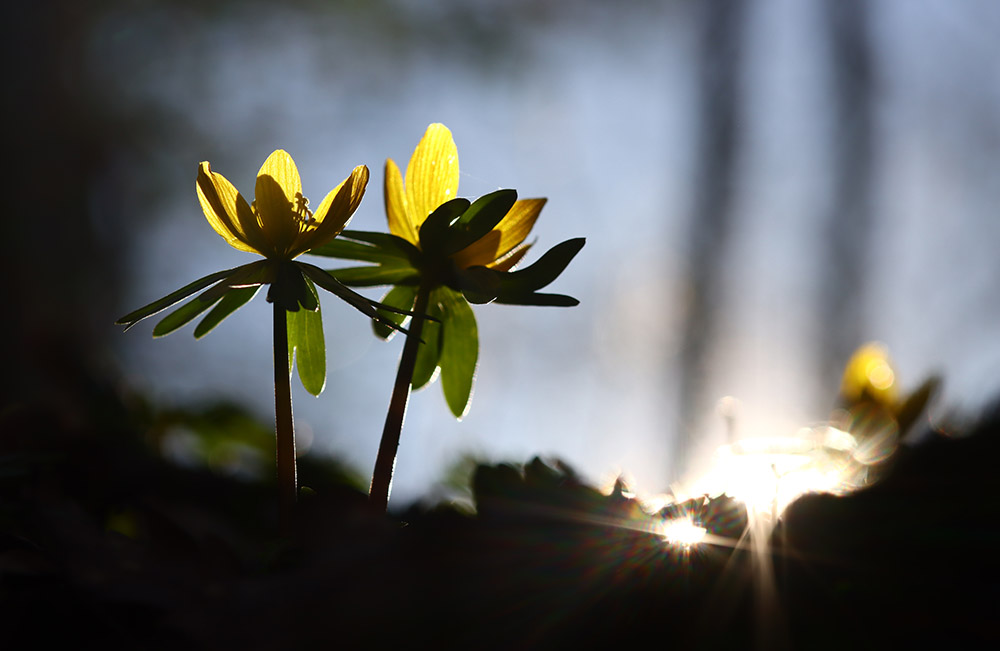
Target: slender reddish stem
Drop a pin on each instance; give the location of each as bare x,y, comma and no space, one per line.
283,423
378,496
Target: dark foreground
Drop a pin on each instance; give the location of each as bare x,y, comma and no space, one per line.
103,544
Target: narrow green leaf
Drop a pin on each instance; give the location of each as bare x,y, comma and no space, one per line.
386,241
434,230
480,284
161,304
182,315
909,411
308,299
495,205
551,300
459,350
254,274
479,219
383,274
400,297
233,300
478,298
364,305
347,250
331,284
542,272
384,244
429,349
306,345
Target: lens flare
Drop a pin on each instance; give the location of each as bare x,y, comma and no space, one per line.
768,473
682,531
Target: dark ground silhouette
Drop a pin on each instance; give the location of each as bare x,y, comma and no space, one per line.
102,542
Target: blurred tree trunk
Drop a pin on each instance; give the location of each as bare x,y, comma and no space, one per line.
720,49
849,222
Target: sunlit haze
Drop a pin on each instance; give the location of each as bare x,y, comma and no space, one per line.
597,110
769,473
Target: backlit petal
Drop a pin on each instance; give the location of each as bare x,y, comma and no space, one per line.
222,205
519,222
396,210
482,252
334,211
278,194
510,232
432,175
507,262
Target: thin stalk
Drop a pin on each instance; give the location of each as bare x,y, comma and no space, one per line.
283,424
378,496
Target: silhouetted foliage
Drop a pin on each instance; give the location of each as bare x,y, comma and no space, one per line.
102,541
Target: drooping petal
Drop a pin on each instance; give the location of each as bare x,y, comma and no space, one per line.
432,174
278,195
396,209
334,211
509,233
222,205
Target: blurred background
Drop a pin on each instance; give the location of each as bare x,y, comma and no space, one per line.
764,185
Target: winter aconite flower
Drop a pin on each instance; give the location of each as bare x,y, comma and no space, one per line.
432,180
871,406
456,252
279,225
443,252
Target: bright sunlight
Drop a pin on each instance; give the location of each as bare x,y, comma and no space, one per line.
682,531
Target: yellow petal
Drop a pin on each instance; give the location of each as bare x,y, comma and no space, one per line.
507,262
223,206
334,211
482,252
278,194
432,175
516,225
400,223
510,232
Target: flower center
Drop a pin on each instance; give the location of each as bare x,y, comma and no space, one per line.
301,210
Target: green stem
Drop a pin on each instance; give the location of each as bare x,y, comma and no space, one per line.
283,424
378,496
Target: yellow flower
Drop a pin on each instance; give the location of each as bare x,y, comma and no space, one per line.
278,224
443,253
431,180
869,375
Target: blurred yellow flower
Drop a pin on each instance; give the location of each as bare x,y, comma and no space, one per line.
279,224
431,180
869,375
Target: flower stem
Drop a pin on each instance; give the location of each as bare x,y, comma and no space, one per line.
283,424
378,496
